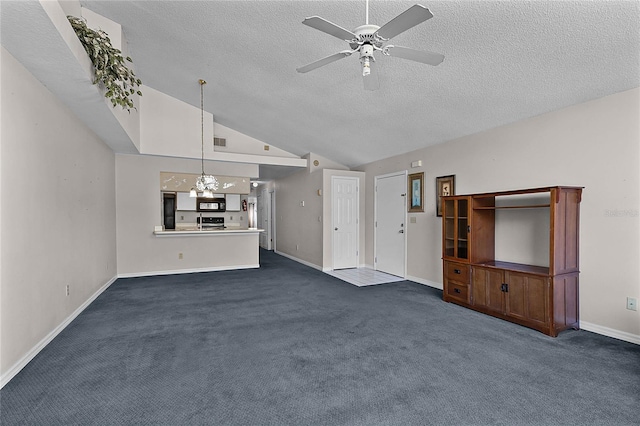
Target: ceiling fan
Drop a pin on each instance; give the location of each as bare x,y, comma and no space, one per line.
366,39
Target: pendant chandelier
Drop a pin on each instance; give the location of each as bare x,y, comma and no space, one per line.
207,184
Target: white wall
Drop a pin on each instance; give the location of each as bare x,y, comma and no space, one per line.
58,218
171,127
139,209
298,231
240,143
593,144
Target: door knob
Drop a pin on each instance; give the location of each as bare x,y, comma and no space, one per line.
336,229
401,231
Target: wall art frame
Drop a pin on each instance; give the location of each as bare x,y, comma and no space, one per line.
415,190
445,185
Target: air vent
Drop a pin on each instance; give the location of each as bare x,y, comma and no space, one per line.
219,142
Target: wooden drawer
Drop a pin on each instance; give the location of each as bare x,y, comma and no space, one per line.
457,272
457,291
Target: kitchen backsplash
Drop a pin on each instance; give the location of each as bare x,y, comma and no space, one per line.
231,219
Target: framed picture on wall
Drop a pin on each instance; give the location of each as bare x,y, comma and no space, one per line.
445,185
416,192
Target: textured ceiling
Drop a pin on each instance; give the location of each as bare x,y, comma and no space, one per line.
504,61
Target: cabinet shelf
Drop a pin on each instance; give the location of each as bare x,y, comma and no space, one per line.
516,267
531,206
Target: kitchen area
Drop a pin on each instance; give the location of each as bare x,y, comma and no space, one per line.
148,199
227,206
183,212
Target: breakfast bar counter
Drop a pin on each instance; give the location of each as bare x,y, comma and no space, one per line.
195,232
189,249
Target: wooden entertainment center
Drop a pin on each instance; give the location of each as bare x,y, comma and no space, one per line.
543,297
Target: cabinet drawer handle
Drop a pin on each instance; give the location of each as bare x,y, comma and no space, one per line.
456,290
457,271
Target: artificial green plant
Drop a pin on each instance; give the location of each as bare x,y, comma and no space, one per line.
110,68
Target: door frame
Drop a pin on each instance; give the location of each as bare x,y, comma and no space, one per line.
404,174
357,217
272,200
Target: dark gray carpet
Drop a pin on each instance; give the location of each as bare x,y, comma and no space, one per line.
288,345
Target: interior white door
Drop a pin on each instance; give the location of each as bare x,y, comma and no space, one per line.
390,215
344,219
264,218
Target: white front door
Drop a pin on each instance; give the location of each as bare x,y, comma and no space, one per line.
344,220
389,225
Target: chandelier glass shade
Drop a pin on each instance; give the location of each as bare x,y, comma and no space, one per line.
206,183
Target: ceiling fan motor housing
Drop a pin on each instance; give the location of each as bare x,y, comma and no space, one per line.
366,35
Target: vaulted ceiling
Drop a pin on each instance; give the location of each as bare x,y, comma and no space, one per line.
504,61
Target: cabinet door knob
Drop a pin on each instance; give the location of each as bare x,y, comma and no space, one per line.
336,229
456,290
457,271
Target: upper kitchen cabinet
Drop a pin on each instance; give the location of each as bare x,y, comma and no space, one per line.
233,202
185,202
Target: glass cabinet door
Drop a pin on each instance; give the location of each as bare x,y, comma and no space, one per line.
462,251
449,229
456,228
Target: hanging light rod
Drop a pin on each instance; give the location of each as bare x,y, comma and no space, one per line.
205,183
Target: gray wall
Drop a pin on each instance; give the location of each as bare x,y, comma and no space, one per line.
595,145
58,222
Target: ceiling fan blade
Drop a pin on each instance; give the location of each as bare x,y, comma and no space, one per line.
324,61
407,19
430,58
371,81
329,27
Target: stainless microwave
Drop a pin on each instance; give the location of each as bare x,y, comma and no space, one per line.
211,204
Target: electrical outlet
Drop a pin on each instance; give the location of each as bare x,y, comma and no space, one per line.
67,290
179,255
632,303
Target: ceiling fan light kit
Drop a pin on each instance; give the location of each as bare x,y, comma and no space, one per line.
366,39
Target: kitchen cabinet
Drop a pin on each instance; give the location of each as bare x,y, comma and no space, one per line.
543,297
233,202
185,202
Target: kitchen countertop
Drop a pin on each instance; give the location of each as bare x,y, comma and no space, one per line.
207,232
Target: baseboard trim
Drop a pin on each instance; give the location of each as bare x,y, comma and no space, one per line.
18,366
425,282
610,332
304,262
186,271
